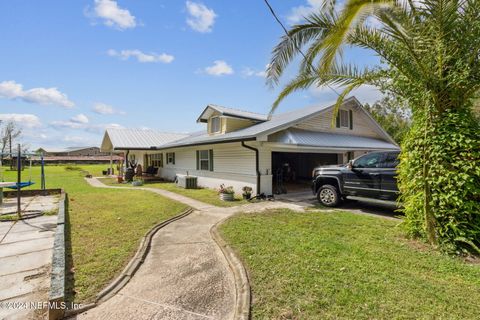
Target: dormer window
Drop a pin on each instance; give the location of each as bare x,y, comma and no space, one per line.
215,124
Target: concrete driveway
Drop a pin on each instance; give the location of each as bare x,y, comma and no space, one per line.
307,199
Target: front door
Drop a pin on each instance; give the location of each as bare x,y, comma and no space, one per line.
364,178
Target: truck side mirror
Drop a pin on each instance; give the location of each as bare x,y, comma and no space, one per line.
350,165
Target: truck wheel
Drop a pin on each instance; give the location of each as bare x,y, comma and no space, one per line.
328,195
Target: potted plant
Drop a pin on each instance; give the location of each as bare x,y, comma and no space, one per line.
226,193
247,192
137,182
119,179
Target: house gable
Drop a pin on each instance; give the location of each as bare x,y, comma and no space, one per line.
360,122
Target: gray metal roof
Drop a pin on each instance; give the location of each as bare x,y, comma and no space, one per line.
146,139
138,138
276,123
307,138
233,113
66,149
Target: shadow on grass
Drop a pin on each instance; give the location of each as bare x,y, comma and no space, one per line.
355,206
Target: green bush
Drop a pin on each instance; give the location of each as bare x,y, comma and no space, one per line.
441,156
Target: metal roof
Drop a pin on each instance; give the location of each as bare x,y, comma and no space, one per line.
276,123
232,113
306,138
121,138
150,139
66,149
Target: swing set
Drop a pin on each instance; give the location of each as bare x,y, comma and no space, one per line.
23,184
20,184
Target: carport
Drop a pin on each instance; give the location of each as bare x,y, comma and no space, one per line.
294,169
296,152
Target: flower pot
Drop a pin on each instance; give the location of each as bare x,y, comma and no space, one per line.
247,196
119,179
227,196
137,183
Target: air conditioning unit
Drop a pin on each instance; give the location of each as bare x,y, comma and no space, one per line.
187,182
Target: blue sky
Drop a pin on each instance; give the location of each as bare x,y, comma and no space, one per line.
71,68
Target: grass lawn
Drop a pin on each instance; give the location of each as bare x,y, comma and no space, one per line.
344,266
106,224
202,194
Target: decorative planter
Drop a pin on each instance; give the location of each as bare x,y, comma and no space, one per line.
227,196
137,183
247,196
119,179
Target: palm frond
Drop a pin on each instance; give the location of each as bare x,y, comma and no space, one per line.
302,81
354,13
290,46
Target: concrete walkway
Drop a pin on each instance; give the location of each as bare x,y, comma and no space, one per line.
185,275
26,257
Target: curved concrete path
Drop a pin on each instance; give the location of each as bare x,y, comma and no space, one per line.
185,275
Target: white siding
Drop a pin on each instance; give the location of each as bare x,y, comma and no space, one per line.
233,165
362,126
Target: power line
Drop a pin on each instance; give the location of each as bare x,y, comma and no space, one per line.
296,47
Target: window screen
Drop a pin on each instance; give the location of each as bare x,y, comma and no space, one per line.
215,124
343,114
171,157
204,159
156,160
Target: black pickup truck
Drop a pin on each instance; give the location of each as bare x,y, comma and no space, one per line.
369,176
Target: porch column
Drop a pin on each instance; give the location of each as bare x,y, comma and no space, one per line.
111,162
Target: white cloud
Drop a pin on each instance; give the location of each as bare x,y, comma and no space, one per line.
103,108
219,68
249,72
80,118
297,14
10,89
113,15
140,56
46,96
26,120
86,126
75,139
68,124
200,18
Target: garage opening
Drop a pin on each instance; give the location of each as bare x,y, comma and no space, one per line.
292,171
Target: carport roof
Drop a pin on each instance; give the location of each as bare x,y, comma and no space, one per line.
299,137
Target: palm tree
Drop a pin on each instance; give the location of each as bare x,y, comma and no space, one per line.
430,58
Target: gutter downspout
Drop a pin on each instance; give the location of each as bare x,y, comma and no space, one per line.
257,164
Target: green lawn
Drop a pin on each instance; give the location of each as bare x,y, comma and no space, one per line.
340,265
106,224
202,194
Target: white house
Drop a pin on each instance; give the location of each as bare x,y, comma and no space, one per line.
239,148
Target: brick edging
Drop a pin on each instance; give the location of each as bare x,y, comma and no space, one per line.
242,284
119,282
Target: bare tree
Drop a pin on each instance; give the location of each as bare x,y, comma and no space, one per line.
9,132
